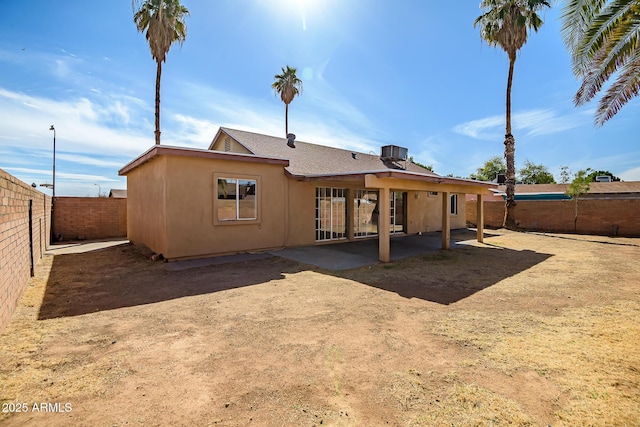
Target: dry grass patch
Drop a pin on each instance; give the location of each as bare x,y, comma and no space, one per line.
528,330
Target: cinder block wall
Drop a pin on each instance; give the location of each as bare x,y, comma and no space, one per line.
89,218
595,216
16,248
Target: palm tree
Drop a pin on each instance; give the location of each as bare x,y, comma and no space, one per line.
164,22
604,39
504,23
287,85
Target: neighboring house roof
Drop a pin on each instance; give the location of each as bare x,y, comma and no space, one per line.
118,194
597,190
308,159
616,187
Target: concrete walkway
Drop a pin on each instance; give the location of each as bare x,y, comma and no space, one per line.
336,256
82,247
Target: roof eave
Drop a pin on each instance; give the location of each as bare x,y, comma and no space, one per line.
160,150
347,176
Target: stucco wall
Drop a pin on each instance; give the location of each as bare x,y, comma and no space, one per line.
425,212
191,200
594,216
146,205
172,206
15,243
227,144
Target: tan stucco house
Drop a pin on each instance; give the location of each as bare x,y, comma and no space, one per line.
252,192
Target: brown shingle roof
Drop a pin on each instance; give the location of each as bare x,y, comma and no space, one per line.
309,159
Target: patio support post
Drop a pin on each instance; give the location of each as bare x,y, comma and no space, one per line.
446,220
349,197
480,218
384,221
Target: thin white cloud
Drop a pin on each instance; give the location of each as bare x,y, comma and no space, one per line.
341,125
89,161
532,123
82,125
62,175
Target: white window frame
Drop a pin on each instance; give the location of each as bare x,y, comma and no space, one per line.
335,195
237,220
453,201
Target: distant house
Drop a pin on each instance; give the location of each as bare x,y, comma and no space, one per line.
608,208
597,190
253,192
118,194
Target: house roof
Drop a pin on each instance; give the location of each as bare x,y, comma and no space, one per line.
616,187
308,159
118,194
314,161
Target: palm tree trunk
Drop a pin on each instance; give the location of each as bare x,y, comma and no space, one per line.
509,155
286,120
158,74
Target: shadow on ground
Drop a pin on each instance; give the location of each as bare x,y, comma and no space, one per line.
446,277
121,276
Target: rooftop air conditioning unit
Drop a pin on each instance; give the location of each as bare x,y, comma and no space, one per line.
394,153
603,178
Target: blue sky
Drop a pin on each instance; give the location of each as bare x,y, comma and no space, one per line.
409,73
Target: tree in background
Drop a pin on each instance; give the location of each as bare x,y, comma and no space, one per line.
288,86
490,170
164,22
603,37
535,174
578,187
504,23
565,175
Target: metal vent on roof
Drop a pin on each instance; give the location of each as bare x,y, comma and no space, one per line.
291,138
603,178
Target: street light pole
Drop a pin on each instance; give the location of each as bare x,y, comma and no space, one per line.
54,159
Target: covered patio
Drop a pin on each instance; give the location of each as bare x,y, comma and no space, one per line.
387,182
347,255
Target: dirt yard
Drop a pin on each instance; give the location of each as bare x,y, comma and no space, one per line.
524,330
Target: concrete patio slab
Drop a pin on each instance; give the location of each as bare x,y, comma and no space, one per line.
361,253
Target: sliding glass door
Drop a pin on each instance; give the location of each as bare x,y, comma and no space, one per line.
331,213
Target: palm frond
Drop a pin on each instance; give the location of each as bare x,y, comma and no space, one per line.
504,23
604,40
625,87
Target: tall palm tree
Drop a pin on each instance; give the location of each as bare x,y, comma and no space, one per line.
287,85
603,37
164,21
504,23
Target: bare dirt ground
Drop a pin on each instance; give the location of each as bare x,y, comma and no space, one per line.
524,330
